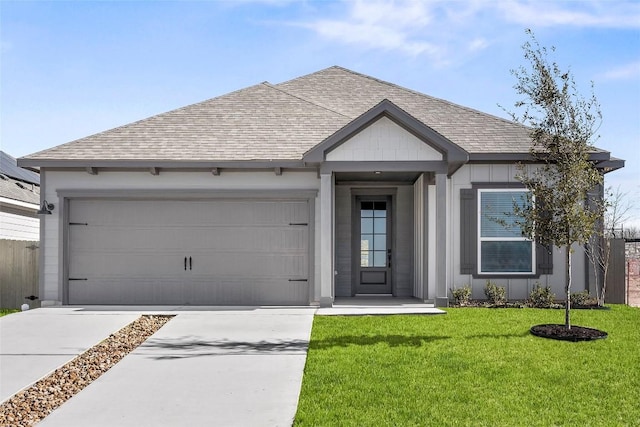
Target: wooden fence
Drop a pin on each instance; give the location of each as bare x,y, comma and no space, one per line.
18,273
616,280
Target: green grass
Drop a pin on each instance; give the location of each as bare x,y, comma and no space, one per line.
5,311
472,366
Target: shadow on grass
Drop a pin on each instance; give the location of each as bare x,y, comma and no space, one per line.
365,340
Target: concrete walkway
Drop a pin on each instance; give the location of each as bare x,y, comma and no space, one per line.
218,368
34,343
214,366
376,305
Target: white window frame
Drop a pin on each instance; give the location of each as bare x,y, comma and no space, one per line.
481,239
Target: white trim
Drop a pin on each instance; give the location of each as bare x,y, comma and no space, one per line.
481,239
19,203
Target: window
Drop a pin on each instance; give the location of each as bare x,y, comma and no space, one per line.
502,249
373,234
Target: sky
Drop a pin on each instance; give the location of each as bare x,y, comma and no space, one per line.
69,69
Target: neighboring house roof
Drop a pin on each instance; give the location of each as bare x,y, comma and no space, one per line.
17,183
282,122
9,167
19,190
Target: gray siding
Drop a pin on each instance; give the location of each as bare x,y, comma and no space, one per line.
343,241
403,269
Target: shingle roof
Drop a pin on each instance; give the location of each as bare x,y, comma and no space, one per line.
283,121
19,190
17,183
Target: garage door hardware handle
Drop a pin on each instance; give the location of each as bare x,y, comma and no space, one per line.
73,278
298,280
190,264
185,263
298,223
78,223
31,297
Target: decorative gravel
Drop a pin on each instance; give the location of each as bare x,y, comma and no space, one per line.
31,405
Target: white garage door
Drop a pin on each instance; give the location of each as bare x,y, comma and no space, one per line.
188,252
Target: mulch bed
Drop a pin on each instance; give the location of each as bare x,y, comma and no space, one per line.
560,332
524,304
34,403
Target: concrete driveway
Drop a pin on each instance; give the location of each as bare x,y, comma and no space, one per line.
216,367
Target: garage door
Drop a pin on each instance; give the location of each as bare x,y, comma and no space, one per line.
188,252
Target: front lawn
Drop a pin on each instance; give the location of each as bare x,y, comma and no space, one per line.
5,311
472,366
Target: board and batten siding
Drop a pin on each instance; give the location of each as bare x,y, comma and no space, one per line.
517,288
403,248
343,277
383,140
52,292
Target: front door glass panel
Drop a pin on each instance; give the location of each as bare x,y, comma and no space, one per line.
373,234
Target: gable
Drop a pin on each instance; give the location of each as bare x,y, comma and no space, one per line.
384,140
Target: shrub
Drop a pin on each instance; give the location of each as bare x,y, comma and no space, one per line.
497,295
582,298
541,297
461,296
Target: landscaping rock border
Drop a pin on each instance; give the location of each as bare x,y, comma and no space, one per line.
34,403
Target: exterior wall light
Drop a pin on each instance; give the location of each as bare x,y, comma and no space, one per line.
45,209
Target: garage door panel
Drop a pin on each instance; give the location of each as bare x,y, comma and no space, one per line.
126,291
241,251
246,238
107,239
125,264
250,264
246,291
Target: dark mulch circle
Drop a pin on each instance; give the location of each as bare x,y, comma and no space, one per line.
560,332
590,307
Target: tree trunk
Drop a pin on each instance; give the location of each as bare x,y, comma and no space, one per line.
567,310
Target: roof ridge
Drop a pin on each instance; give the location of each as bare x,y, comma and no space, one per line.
303,99
397,86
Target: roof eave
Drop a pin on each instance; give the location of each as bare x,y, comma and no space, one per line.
165,164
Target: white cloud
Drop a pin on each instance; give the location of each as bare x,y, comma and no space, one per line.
478,44
380,24
447,31
595,13
624,72
372,36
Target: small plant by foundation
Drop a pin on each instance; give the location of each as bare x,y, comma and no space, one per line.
582,299
541,297
497,295
461,296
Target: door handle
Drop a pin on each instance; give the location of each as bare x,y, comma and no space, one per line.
185,263
190,264
389,257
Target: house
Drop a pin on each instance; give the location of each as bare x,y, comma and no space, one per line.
331,184
19,201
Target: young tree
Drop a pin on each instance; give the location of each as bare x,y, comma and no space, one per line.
563,126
